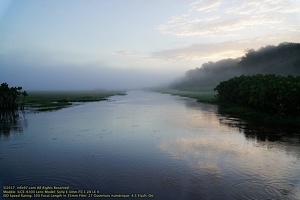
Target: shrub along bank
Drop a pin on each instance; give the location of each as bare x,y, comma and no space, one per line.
267,93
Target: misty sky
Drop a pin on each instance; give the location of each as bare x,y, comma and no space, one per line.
88,44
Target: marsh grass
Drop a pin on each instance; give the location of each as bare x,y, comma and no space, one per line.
55,100
200,96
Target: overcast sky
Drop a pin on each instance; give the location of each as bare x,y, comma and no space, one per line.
87,44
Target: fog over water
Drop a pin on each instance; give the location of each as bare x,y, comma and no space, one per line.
84,77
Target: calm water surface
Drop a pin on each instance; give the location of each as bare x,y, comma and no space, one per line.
149,143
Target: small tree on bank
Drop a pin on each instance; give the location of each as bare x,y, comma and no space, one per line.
10,97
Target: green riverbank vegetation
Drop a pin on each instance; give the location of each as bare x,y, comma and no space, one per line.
265,98
261,86
55,100
270,93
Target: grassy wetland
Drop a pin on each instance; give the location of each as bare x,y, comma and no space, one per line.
54,100
203,96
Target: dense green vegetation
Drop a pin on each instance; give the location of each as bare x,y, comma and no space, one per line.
10,97
268,93
55,100
283,59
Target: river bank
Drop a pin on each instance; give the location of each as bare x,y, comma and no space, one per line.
234,110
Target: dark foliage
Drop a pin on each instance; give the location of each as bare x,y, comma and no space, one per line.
269,93
9,97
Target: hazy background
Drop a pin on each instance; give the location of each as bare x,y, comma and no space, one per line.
123,44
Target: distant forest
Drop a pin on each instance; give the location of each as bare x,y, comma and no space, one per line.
283,59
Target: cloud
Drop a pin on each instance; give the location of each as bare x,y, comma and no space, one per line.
124,53
222,50
206,5
213,19
204,50
264,7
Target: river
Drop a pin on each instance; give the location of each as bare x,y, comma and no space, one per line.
151,146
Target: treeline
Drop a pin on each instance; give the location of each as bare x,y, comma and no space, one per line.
269,93
283,59
10,97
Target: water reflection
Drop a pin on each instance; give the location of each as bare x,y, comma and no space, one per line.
12,122
240,168
276,137
171,147
252,131
255,131
272,137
